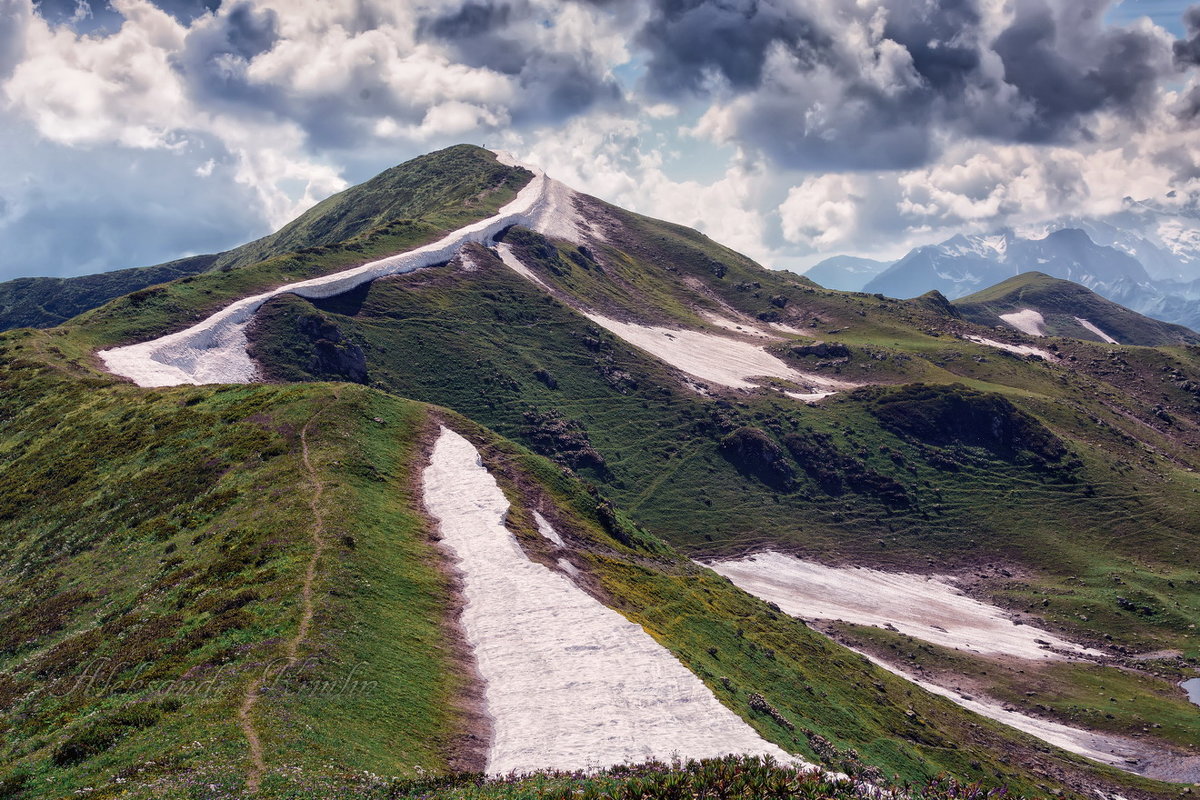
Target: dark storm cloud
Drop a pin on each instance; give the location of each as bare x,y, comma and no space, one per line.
940,52
216,53
496,36
471,20
1055,64
1062,75
690,40
1187,108
1187,51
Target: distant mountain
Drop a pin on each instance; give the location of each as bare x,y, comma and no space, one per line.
1039,305
964,264
44,302
1166,240
1097,255
846,273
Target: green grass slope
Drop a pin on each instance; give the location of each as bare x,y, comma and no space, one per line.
156,544
1060,302
1077,473
838,480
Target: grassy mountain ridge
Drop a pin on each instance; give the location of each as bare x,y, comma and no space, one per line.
408,205
181,303
446,189
1061,302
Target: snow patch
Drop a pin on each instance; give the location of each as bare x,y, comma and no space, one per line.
559,217
706,356
709,357
997,243
512,262
1019,349
809,397
569,683
932,609
1107,749
732,325
1091,327
214,351
1026,321
547,530
926,607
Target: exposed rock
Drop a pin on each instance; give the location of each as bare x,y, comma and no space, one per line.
333,355
755,453
561,438
821,350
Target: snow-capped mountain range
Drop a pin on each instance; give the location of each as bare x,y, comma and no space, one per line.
1145,257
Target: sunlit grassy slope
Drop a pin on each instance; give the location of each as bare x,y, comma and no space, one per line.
156,542
171,528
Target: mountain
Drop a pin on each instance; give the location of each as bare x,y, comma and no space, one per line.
460,493
421,200
1144,266
1163,236
963,264
1039,305
846,273
46,302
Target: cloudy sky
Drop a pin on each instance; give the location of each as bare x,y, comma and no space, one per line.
132,132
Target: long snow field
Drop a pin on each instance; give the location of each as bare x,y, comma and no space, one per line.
931,609
1019,349
569,683
1091,326
1105,748
214,350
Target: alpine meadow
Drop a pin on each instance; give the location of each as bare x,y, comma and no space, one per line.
479,479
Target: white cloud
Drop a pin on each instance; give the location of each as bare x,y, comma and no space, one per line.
823,212
280,103
117,89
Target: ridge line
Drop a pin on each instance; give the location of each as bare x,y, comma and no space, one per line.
250,699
